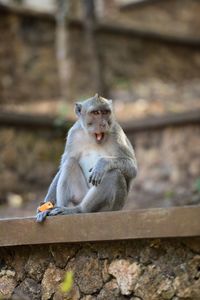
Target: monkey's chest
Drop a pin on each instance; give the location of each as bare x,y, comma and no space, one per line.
88,161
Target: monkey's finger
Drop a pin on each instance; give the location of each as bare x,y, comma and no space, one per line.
92,177
99,180
93,182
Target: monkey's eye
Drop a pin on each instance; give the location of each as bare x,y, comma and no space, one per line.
96,112
105,112
89,124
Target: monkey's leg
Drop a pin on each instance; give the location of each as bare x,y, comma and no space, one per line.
72,185
109,195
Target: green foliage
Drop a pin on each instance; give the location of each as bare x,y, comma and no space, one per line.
122,82
197,185
67,283
62,110
169,194
60,121
18,2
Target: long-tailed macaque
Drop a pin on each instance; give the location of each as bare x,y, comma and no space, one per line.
97,166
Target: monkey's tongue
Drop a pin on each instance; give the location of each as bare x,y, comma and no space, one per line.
99,136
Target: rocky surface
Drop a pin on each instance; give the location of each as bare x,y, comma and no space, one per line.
143,69
20,175
158,269
173,17
28,67
169,168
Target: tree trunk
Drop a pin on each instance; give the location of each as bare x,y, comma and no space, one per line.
93,48
62,49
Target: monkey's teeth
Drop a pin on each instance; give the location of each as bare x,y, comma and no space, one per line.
99,136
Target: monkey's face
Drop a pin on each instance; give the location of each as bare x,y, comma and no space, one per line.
96,116
98,123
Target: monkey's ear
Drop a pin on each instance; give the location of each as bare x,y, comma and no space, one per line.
78,107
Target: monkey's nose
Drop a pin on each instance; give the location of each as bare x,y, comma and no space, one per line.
102,126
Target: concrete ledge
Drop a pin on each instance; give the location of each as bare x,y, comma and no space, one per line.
109,226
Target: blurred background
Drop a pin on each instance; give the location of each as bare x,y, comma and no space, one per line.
143,54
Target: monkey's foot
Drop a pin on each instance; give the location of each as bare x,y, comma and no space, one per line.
64,210
57,211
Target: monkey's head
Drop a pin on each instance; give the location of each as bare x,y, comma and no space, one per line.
96,116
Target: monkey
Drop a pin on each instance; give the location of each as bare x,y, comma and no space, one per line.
97,166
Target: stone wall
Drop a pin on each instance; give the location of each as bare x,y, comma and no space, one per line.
172,17
28,67
139,66
155,269
144,67
169,166
29,159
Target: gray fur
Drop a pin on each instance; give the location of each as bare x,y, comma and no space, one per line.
94,175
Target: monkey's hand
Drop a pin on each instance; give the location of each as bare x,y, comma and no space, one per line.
43,210
98,171
41,215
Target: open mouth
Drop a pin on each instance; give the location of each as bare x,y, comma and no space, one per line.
99,136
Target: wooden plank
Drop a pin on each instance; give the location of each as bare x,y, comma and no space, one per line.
130,4
119,29
173,40
28,121
160,122
109,226
26,11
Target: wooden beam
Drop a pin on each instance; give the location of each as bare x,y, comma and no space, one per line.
131,4
108,226
28,121
26,11
124,30
160,122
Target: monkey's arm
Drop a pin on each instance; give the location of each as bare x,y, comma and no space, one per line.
127,166
124,161
51,196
